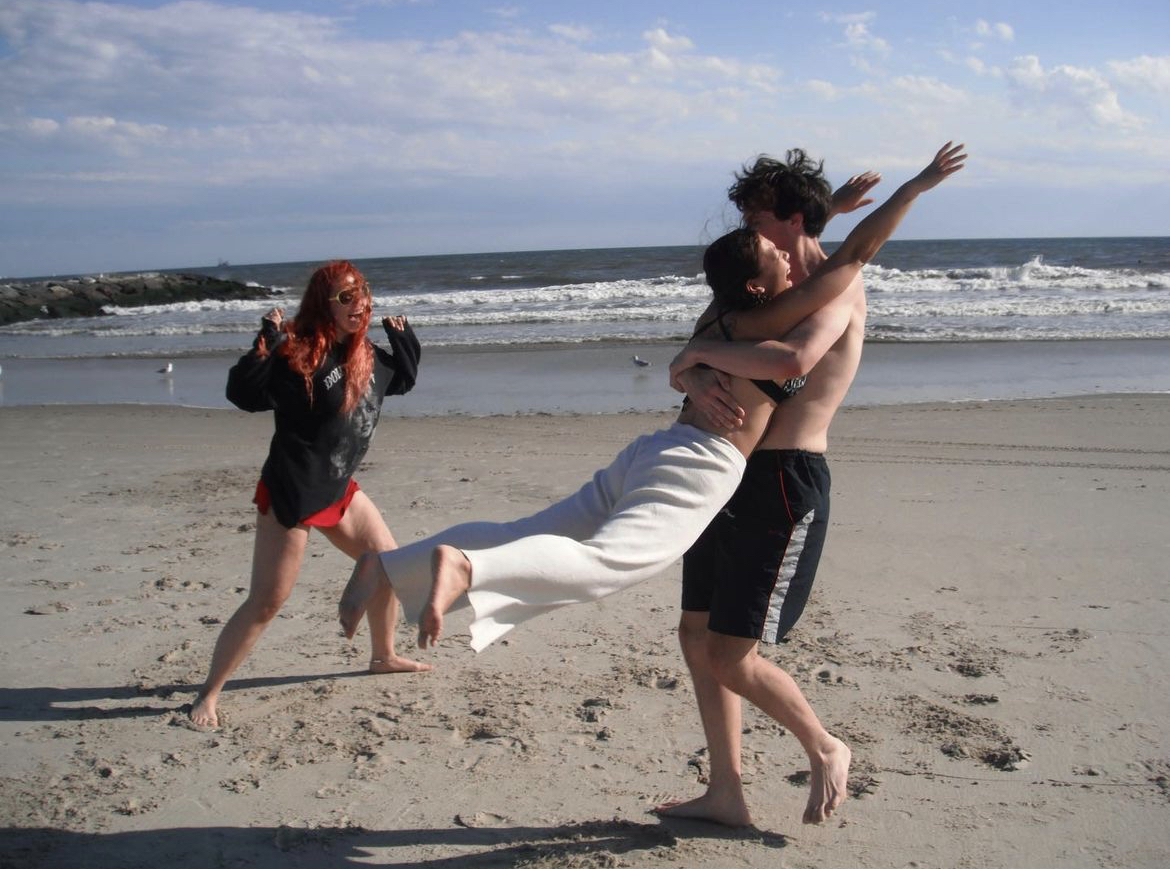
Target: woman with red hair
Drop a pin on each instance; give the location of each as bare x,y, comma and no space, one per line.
324,380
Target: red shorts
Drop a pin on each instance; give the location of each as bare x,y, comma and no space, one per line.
326,518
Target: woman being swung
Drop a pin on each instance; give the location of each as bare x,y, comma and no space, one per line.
324,380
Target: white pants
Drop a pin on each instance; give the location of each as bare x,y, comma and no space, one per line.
626,525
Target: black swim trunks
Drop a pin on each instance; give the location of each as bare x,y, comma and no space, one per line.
753,568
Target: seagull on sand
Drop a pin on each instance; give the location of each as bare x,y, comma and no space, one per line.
641,363
167,369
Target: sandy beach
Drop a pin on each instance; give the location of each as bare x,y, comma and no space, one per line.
988,632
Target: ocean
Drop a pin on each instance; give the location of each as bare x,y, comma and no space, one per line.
570,314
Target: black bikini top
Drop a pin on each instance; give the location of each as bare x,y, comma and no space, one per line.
778,392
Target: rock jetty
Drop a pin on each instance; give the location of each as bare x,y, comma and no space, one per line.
86,296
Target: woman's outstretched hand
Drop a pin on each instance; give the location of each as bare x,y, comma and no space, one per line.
398,324
949,160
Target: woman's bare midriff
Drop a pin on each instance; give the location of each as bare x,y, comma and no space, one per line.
757,413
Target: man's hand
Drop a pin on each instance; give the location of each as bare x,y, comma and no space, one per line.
684,360
709,390
851,195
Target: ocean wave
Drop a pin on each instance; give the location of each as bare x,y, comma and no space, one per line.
1031,299
888,333
1031,275
85,328
596,292
1066,306
189,307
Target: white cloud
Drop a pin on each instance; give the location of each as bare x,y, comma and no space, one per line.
822,90
1084,93
268,109
856,32
360,4
572,32
857,35
1143,73
925,88
233,95
663,41
863,65
848,18
39,127
1000,29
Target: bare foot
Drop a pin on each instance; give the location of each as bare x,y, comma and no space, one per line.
397,664
728,809
830,773
202,712
451,577
363,582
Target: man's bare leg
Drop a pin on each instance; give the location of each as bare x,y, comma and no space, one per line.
451,577
721,714
830,775
739,668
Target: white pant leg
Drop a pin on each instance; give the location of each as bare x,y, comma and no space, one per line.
577,517
672,483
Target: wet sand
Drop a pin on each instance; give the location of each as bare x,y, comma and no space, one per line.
602,378
988,632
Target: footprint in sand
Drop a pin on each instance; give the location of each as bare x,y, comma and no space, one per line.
593,709
481,819
48,609
175,654
241,785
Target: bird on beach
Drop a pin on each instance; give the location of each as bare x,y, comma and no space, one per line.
167,369
641,363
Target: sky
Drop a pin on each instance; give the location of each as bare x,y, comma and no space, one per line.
139,135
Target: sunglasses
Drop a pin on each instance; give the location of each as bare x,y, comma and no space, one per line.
346,297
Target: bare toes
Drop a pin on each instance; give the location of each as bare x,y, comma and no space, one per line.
397,664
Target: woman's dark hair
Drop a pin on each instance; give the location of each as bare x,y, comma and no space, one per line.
729,262
784,188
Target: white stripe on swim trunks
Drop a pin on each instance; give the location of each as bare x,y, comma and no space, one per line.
785,575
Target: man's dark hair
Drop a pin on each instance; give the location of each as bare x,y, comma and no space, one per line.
729,262
797,184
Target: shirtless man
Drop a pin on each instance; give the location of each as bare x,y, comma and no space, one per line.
631,522
626,522
748,577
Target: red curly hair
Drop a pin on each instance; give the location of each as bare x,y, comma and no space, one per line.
313,331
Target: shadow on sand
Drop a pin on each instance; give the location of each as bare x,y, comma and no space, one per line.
124,701
589,843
